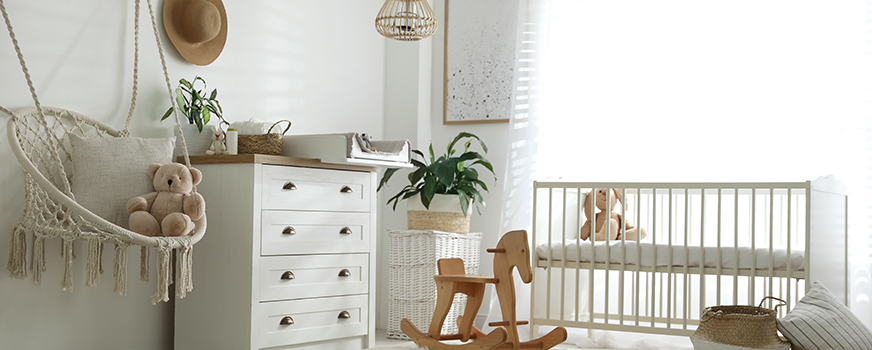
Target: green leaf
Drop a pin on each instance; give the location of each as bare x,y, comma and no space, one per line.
387,176
432,157
214,94
186,83
167,114
205,114
464,203
429,191
445,171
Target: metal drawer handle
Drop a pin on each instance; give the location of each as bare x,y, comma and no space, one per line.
286,321
289,230
288,275
346,189
344,273
345,231
289,186
344,314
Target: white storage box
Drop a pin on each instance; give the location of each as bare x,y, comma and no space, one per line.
348,148
413,260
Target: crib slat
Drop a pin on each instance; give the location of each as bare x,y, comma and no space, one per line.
653,296
686,305
670,285
533,327
563,261
772,243
608,230
702,276
736,250
550,258
637,281
623,256
590,283
789,245
720,270
580,207
752,284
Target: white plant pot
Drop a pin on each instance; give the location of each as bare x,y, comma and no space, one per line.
197,142
445,214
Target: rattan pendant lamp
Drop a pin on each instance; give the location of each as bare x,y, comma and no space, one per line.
406,20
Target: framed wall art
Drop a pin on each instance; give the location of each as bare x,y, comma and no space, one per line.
479,60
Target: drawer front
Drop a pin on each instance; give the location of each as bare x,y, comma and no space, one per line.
285,232
295,277
297,188
313,320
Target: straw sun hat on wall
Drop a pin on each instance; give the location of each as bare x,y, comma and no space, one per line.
197,28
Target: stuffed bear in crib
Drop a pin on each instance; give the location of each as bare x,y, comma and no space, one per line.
607,213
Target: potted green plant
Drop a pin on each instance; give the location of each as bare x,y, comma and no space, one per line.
198,107
443,189
194,104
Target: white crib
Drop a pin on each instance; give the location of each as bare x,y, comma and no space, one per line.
708,244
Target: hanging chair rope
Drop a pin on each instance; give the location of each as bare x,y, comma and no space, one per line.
50,207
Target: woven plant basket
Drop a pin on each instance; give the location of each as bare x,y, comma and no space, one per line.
269,143
738,327
444,214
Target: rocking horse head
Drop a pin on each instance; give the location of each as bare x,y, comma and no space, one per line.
517,253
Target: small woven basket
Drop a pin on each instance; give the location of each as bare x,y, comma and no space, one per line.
269,143
742,326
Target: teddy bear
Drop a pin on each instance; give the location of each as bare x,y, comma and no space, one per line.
173,208
217,146
615,219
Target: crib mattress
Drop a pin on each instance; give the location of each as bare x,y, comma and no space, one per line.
694,255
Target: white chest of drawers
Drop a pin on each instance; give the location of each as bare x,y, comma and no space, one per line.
288,258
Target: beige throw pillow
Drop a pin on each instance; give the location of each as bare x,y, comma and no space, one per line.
108,171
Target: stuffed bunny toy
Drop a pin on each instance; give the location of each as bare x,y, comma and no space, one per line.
217,146
607,213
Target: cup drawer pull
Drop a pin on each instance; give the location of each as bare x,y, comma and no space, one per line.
289,230
288,275
345,231
344,273
286,321
346,189
344,314
289,186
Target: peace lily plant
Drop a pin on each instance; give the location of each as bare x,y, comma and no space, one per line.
449,174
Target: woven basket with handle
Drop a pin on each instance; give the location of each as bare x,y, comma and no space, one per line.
269,143
739,326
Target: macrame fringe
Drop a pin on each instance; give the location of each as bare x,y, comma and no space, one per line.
38,259
17,264
92,265
143,264
120,269
100,258
67,282
184,265
164,276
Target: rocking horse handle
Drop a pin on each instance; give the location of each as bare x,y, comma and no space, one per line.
496,250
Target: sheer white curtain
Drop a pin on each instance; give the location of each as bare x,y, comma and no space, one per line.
690,90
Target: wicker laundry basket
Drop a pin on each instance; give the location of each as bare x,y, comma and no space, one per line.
269,143
414,254
737,327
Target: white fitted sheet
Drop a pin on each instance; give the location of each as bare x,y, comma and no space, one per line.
678,255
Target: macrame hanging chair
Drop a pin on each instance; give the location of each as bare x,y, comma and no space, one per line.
40,139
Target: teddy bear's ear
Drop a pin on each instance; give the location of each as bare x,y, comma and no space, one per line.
196,176
152,170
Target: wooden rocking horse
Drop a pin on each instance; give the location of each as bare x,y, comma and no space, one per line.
511,252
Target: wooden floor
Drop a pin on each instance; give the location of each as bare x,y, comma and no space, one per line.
382,342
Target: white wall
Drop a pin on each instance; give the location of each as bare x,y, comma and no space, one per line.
280,62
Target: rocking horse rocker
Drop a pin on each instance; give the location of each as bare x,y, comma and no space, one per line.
511,252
